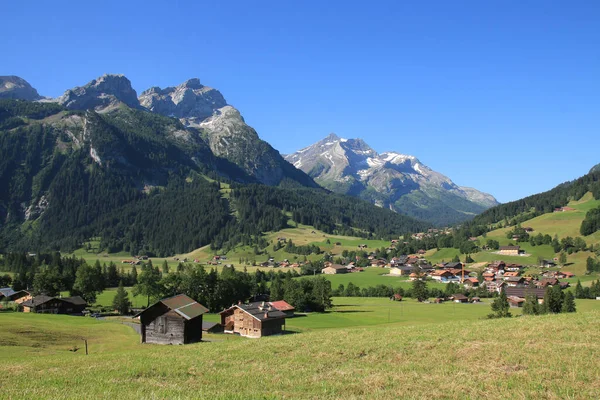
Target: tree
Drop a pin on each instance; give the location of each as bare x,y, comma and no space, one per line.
88,282
47,281
562,258
531,305
500,306
165,267
321,293
469,259
149,284
456,258
568,305
419,290
277,292
579,292
121,301
553,299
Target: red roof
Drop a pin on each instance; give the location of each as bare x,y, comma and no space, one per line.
282,305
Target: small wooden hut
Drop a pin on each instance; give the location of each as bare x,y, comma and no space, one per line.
174,320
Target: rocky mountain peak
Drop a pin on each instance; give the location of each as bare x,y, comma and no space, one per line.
390,179
191,101
101,93
14,87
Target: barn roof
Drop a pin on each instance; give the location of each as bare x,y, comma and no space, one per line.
7,292
37,300
183,305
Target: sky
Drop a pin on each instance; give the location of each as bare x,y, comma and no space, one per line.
502,96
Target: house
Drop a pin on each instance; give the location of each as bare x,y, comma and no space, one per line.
494,286
515,302
545,282
396,297
10,295
284,307
510,250
564,274
401,271
52,305
514,281
413,277
443,276
453,265
459,298
334,269
471,282
253,320
510,274
522,292
513,267
174,320
475,300
548,264
421,252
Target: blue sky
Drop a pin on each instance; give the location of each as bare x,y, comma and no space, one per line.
503,96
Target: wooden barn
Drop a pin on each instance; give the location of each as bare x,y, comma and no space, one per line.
174,320
253,320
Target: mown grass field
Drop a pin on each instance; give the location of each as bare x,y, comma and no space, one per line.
552,357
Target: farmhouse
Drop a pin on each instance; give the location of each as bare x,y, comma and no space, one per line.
52,305
253,320
334,269
510,250
18,297
443,276
174,320
522,292
459,298
404,270
548,264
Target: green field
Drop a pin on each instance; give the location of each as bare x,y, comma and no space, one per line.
362,357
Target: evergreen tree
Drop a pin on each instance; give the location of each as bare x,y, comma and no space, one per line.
134,275
500,306
165,267
562,258
121,301
579,292
531,305
568,305
419,290
276,289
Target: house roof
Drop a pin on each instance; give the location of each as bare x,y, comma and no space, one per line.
510,247
37,300
282,305
459,296
183,305
522,292
206,326
75,300
7,292
337,266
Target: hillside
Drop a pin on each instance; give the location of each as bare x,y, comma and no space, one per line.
143,182
391,180
379,362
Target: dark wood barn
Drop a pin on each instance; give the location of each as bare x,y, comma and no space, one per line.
253,320
174,320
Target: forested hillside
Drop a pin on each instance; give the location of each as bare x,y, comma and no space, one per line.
144,183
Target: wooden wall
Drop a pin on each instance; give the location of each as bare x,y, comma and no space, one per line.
168,328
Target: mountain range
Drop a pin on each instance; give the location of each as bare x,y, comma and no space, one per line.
392,180
140,172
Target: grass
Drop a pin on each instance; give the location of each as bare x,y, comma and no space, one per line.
457,359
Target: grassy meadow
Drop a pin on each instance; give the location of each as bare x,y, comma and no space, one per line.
449,357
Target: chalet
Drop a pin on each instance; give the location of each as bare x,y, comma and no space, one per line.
471,282
443,276
510,250
453,265
497,266
284,307
459,298
511,274
514,281
52,305
334,269
545,282
548,264
564,274
475,300
174,320
404,270
18,296
413,277
522,292
515,302
494,286
528,229
253,320
379,263
513,267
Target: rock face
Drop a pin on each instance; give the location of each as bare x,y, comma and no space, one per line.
397,181
190,101
13,87
595,168
224,128
103,93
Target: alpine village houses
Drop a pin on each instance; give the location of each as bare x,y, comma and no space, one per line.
174,320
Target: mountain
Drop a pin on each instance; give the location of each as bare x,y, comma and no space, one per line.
391,180
13,87
595,168
143,182
204,108
103,93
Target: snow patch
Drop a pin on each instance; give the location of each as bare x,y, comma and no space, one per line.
343,140
373,162
95,156
298,164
